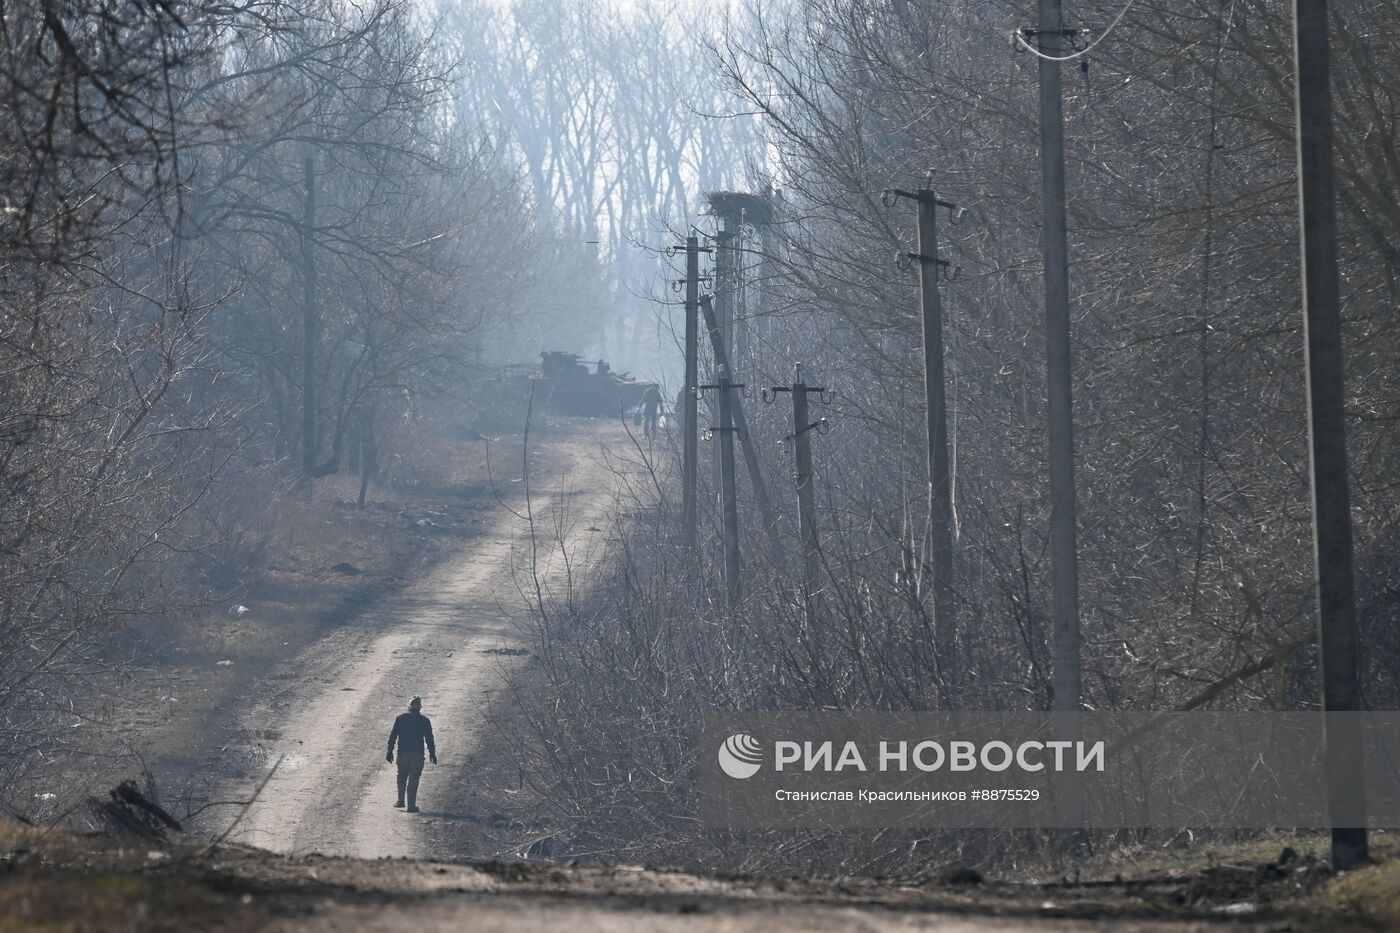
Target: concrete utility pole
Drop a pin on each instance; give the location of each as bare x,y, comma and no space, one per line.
1064,555
720,324
940,483
734,209
1341,691
729,498
801,437
723,289
936,430
1048,42
806,501
741,313
760,488
308,321
691,453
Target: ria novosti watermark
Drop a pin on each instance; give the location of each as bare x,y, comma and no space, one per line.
1100,770
930,755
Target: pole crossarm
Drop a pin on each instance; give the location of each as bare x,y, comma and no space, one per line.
919,257
814,426
890,195
712,430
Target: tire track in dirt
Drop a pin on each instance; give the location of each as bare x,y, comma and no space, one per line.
439,638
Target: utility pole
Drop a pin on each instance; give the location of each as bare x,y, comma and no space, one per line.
755,471
723,290
940,486
801,436
721,322
1048,40
741,313
939,482
308,321
735,209
691,452
729,498
806,501
1332,535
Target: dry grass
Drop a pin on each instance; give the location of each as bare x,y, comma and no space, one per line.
1366,898
116,903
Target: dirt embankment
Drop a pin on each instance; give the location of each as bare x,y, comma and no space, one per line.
62,882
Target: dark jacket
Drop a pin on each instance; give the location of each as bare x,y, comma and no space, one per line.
413,731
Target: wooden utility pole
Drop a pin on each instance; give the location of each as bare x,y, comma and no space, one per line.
801,437
729,496
691,452
746,444
308,321
1341,691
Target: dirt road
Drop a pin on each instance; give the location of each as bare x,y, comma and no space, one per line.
451,638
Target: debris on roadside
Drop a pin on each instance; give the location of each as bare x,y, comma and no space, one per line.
130,811
962,875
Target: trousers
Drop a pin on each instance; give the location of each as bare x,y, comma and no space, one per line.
409,773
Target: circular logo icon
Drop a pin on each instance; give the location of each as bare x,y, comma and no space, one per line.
740,756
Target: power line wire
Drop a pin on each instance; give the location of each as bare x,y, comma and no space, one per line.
1082,52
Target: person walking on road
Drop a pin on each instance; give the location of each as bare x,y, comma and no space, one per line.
412,731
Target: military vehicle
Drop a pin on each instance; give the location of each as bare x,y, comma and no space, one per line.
572,386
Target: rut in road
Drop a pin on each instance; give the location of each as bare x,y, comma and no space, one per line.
438,638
